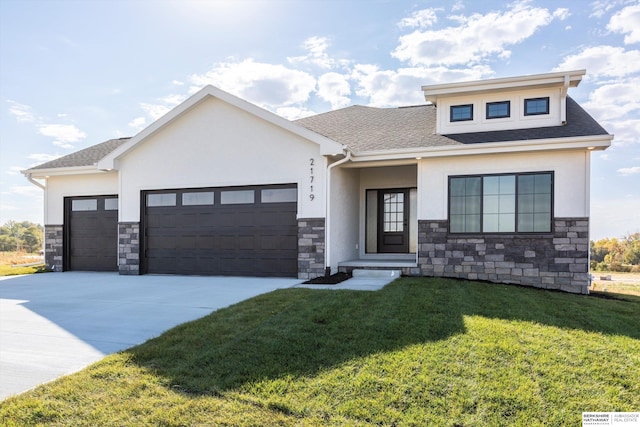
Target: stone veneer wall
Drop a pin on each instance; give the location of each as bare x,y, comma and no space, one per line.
129,248
557,260
53,246
311,244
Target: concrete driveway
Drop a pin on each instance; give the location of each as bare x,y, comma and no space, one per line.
58,323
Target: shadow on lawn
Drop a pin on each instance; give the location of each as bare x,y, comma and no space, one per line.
299,331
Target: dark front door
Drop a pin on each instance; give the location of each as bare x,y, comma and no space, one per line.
393,221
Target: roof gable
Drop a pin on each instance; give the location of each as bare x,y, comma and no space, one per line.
327,146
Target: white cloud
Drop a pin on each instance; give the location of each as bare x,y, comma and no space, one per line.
177,82
627,21
317,55
625,131
138,123
64,135
561,13
609,61
268,85
22,112
420,19
614,100
475,38
629,171
334,88
293,113
386,88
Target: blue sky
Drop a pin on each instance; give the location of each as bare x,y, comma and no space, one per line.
76,73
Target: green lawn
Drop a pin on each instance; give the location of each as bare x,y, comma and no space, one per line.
419,352
9,270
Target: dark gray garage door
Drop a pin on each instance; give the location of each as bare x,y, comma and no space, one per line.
91,233
238,231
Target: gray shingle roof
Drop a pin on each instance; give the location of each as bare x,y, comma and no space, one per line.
370,129
87,157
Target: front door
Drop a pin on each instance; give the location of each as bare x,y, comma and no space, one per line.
393,221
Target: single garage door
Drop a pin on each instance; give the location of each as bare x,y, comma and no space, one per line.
238,231
91,233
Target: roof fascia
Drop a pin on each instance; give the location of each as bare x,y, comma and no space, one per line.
74,170
559,79
327,146
591,143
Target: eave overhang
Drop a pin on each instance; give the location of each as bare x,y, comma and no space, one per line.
588,143
562,80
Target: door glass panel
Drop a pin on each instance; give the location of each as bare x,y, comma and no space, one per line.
279,195
393,212
236,197
199,198
162,199
84,205
111,204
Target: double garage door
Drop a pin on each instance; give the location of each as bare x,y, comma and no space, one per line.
236,231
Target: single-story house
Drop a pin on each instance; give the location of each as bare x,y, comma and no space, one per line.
487,181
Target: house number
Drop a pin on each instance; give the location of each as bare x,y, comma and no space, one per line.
311,178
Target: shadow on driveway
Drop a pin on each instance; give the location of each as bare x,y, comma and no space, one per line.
57,323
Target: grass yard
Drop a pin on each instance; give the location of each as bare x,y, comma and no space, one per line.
13,263
419,352
619,283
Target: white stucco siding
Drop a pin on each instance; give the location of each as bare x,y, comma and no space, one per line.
571,178
343,217
59,187
216,144
516,119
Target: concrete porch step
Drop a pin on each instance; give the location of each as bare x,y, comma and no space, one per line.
361,273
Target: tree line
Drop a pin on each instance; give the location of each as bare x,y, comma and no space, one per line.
616,254
22,236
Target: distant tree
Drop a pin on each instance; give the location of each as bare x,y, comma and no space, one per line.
616,254
18,236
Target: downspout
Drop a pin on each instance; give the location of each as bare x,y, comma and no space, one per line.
327,245
563,99
33,181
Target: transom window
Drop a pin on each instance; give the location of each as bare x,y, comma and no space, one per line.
498,110
535,106
460,113
520,203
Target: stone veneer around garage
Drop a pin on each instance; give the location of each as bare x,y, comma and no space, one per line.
129,248
53,246
557,260
311,246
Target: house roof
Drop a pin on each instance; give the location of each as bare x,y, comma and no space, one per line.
365,129
86,157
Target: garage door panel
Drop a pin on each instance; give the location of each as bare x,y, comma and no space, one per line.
238,238
91,234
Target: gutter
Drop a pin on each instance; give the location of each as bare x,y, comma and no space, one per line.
33,181
327,245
